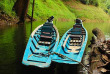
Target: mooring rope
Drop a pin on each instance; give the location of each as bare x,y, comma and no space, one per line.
63,56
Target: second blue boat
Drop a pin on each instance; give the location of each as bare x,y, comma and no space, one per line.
72,44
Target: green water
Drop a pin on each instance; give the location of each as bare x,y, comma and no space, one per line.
13,40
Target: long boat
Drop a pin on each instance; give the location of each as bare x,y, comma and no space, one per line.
42,41
72,45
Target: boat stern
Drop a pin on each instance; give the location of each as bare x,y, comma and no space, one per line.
41,65
38,61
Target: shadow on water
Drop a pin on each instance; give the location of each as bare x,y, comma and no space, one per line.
66,69
36,70
55,68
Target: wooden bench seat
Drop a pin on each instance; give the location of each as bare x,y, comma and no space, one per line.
74,49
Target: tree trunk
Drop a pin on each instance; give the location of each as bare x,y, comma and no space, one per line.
21,8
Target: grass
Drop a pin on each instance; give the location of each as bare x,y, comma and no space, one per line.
64,26
6,6
64,10
87,11
56,8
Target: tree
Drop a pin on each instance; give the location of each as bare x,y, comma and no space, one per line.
21,8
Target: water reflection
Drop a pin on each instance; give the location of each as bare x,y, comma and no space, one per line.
104,27
13,40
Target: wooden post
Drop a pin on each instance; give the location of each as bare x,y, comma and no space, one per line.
32,14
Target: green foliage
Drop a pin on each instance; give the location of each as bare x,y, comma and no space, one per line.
47,8
109,11
88,11
66,0
85,1
57,8
6,6
92,2
104,4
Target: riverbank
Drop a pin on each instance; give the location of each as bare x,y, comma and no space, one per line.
98,65
62,10
5,19
100,53
88,13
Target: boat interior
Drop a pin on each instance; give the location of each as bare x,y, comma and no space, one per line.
47,36
74,39
44,37
43,40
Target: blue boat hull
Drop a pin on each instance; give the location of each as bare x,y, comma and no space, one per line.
64,49
38,53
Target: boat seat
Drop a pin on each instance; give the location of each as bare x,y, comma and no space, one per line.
76,40
74,49
75,37
75,44
45,38
46,34
44,43
77,26
76,33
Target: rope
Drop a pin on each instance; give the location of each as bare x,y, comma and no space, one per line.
63,56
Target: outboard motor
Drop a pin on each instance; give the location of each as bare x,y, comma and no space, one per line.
78,24
79,21
50,19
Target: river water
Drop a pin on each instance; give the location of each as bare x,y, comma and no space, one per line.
13,40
